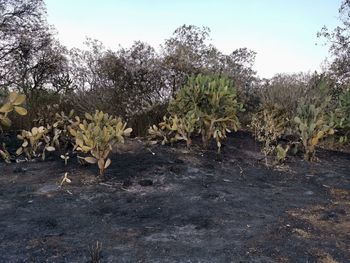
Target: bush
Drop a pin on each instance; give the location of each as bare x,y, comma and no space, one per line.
341,116
97,134
173,129
209,104
142,121
312,125
35,143
286,90
269,124
41,106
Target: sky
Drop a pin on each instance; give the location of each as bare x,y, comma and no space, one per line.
283,33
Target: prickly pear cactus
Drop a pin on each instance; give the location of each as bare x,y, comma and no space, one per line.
312,126
269,124
96,135
212,102
13,103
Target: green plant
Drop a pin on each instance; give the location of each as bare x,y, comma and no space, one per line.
312,125
96,135
269,124
35,143
12,104
59,130
57,124
173,129
287,89
341,116
206,105
281,153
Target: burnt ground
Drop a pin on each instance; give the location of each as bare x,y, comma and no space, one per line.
179,206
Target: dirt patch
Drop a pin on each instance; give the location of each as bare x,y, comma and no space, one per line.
163,204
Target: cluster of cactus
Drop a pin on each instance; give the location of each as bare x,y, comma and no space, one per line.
35,143
40,139
173,129
60,129
269,124
206,105
12,103
312,125
97,135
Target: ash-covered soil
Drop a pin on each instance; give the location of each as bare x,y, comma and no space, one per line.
163,204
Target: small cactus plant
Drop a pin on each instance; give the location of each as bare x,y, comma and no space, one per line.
96,135
173,129
35,143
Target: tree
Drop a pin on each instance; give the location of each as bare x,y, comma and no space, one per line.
185,53
31,60
17,19
189,52
339,39
123,82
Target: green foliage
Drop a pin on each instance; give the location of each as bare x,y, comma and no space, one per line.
286,89
59,130
207,105
40,139
13,103
269,124
281,153
341,116
96,135
35,143
57,123
312,125
174,129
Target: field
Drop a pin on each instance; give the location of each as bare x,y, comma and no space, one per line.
186,148
170,204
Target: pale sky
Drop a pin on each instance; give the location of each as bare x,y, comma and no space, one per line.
282,32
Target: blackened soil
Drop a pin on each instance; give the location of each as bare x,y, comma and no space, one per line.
163,204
